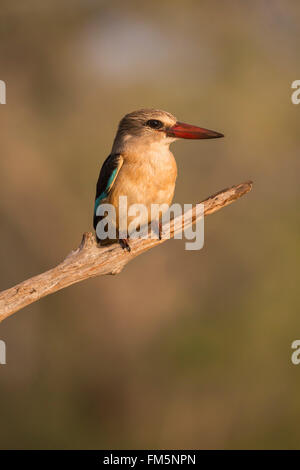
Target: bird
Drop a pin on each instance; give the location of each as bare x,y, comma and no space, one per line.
141,165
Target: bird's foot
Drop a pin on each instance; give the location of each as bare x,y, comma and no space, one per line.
157,227
160,230
125,244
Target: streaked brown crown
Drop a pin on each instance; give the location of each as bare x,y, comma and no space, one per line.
136,123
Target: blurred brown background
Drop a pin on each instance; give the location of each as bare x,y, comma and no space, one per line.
183,349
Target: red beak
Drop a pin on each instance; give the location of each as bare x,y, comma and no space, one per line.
186,131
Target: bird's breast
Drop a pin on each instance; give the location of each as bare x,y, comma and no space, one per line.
146,180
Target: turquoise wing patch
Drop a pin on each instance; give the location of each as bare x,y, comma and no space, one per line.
104,194
107,177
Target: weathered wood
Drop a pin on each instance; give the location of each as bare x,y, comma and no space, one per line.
90,260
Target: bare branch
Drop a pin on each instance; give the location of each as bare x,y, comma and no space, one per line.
90,260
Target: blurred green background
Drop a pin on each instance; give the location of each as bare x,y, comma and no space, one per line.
183,349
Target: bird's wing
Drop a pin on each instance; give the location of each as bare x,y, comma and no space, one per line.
107,177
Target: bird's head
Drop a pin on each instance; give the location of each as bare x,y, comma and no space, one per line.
148,126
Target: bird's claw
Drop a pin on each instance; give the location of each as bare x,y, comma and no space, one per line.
125,244
160,230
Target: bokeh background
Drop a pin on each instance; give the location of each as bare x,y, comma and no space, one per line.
183,349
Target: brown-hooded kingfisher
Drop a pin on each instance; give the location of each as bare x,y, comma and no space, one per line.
141,165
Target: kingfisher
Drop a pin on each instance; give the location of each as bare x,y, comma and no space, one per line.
141,165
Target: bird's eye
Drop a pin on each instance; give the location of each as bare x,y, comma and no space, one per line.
154,124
